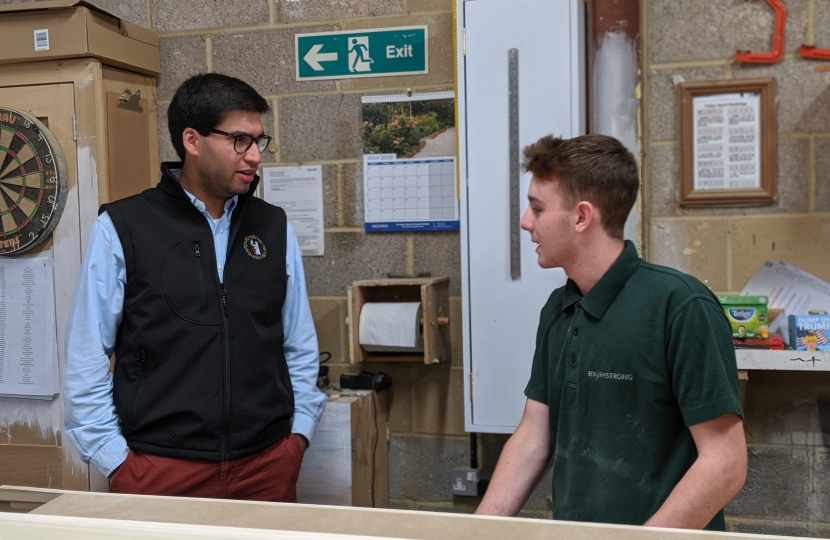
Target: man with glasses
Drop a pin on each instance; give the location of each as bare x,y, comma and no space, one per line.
197,287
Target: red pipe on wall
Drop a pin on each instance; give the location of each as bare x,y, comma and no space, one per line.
810,51
777,39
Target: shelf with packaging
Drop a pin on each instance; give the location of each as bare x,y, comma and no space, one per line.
751,359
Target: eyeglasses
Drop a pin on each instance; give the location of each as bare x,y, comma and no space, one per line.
241,143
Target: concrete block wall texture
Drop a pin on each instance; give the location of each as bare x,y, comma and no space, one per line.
787,414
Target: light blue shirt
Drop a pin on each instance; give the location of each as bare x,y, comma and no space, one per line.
91,420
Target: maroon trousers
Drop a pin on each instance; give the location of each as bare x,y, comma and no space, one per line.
270,475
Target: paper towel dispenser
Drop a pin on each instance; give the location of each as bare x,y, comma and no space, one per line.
404,320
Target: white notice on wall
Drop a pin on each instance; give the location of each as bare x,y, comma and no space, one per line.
42,39
727,141
28,342
299,191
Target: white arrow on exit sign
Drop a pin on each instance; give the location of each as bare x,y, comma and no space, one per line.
314,57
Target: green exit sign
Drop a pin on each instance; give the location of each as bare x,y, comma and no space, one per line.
362,53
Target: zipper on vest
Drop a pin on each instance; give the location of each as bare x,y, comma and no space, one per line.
226,409
142,361
197,253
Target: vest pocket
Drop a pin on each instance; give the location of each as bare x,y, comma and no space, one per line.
188,280
176,442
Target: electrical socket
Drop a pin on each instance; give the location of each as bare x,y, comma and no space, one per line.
468,482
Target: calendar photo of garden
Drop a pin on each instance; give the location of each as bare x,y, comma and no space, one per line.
410,128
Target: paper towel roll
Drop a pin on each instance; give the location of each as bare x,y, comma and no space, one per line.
391,327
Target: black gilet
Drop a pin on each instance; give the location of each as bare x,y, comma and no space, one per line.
200,371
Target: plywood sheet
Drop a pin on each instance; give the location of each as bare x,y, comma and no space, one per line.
326,474
36,466
117,81
364,439
69,528
381,482
128,137
346,462
355,521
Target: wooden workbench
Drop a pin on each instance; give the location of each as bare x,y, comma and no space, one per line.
55,514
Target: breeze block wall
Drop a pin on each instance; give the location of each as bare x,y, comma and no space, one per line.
787,414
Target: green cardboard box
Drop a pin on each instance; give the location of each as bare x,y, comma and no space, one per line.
746,314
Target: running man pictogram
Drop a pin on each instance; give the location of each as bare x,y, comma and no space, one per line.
359,59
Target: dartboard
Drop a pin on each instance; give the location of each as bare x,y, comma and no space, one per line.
32,182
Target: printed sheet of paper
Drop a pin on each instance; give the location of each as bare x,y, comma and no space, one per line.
409,180
28,339
727,141
789,288
299,191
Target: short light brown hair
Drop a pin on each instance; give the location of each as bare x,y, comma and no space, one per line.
593,168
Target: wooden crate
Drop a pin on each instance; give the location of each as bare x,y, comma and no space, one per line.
433,293
346,461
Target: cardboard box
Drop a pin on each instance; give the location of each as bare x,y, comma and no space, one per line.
809,332
59,29
747,315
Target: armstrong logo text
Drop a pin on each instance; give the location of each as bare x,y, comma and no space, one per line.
605,375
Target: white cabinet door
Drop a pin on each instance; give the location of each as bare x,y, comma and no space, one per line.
501,312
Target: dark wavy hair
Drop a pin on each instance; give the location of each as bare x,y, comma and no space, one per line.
202,101
593,168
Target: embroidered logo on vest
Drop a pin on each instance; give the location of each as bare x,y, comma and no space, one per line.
255,247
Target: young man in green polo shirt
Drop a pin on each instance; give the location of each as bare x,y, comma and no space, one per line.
634,388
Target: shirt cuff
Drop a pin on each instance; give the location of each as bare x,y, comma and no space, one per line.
111,455
304,425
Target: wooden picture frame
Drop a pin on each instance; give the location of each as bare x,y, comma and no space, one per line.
764,190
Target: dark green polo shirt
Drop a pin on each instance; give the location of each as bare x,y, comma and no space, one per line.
625,370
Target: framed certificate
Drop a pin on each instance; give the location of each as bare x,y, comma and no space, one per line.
727,142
